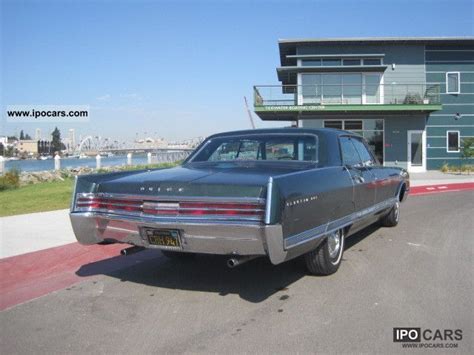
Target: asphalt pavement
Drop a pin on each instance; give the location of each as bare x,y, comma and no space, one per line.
418,274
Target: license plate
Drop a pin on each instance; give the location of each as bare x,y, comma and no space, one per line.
163,237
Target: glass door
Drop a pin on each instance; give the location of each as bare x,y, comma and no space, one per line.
416,151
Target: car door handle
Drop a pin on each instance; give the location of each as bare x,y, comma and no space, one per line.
359,179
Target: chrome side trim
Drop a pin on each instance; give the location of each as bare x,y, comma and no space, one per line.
138,217
268,210
322,230
174,218
308,170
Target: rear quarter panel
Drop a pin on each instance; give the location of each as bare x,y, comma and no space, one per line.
389,179
312,198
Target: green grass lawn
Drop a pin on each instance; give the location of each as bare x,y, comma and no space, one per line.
46,196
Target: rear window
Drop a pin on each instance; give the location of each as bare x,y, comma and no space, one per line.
258,147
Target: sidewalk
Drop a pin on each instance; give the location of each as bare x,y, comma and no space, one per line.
35,231
438,178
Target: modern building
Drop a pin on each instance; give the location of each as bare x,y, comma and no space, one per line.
411,98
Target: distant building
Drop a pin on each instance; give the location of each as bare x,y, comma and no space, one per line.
411,98
38,134
28,146
72,139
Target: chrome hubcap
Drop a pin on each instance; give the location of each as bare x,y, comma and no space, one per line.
334,243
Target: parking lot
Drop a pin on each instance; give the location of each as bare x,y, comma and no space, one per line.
418,274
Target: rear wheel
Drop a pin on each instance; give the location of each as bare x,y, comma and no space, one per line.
392,218
327,257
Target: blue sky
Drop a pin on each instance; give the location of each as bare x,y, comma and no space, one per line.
179,68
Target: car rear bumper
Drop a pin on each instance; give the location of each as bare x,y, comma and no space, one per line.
216,237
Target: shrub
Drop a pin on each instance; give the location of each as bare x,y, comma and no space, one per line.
467,150
10,180
445,168
412,98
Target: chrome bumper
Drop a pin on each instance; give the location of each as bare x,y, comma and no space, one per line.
210,237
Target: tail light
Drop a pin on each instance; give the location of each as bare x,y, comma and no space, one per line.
254,210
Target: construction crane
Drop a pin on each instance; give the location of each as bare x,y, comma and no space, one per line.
249,113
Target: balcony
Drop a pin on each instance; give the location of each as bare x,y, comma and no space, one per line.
287,102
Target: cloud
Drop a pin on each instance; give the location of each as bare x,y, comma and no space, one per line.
105,97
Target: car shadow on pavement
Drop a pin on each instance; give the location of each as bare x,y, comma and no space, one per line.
254,281
354,239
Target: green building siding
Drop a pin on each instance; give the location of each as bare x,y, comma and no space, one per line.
411,61
440,60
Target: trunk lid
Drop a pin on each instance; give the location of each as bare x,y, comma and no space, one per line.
236,179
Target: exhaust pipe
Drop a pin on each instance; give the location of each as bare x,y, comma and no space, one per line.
131,250
239,260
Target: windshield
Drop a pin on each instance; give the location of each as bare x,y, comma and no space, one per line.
260,147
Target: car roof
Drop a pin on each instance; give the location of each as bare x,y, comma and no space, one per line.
289,130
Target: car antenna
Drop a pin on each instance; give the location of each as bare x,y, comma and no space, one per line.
250,113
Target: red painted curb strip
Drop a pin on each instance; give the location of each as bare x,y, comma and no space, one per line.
433,189
35,274
32,275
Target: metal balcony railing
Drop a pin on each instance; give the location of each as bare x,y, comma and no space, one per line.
381,94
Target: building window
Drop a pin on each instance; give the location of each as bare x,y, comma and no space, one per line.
311,62
336,62
353,125
333,124
452,141
352,88
331,62
453,83
341,88
348,125
373,61
352,62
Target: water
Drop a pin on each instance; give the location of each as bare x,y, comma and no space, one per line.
40,165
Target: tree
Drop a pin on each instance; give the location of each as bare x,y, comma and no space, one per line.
56,140
467,149
22,135
467,152
10,151
27,137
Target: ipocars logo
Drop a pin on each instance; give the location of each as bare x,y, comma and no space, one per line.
428,338
405,335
